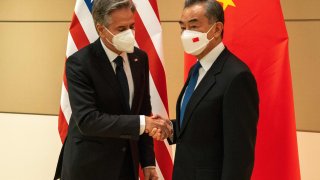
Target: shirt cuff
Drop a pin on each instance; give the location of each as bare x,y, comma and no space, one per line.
142,124
149,167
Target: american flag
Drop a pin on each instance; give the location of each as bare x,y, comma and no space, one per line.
149,38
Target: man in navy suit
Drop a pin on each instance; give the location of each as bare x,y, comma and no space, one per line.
108,85
217,109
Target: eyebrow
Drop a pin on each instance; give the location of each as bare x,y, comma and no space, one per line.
121,26
190,21
124,26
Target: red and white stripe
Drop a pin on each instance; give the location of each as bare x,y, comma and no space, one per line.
149,38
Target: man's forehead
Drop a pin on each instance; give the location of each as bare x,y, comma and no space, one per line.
121,17
193,13
123,13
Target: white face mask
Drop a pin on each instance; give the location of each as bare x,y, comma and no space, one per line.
124,41
195,42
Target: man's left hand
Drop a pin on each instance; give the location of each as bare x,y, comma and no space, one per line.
150,174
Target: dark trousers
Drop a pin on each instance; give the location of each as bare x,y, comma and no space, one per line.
127,171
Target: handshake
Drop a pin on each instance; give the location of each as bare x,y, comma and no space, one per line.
158,127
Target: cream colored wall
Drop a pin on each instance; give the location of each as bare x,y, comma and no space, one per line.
309,157
33,41
30,147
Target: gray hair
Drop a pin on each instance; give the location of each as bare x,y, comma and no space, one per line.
214,10
102,9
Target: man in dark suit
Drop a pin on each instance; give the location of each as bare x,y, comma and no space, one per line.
217,110
108,85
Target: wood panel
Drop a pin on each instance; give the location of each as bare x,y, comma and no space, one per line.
304,52
36,10
31,66
294,9
173,54
170,10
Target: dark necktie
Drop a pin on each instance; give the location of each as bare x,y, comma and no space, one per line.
189,90
122,78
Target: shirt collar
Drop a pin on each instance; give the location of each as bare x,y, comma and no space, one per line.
207,61
112,55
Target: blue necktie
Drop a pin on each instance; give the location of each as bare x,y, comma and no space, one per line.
122,78
189,90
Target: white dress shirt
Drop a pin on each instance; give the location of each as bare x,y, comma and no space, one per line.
206,63
126,66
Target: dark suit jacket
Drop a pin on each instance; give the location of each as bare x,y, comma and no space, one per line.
217,138
101,130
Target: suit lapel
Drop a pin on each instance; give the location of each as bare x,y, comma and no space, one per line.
105,68
204,86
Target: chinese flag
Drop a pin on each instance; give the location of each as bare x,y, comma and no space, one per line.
255,32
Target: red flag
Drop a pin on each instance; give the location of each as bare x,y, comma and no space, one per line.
149,38
255,32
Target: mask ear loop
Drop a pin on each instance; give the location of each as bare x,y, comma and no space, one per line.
210,30
111,34
108,31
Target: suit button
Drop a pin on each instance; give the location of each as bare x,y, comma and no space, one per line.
123,149
179,141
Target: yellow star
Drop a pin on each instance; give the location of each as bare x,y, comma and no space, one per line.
227,3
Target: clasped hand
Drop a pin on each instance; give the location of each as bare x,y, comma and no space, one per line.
158,127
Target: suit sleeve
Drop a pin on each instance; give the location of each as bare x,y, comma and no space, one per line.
147,155
89,120
240,117
172,140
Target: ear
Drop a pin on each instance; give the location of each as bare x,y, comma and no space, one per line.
218,30
100,29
